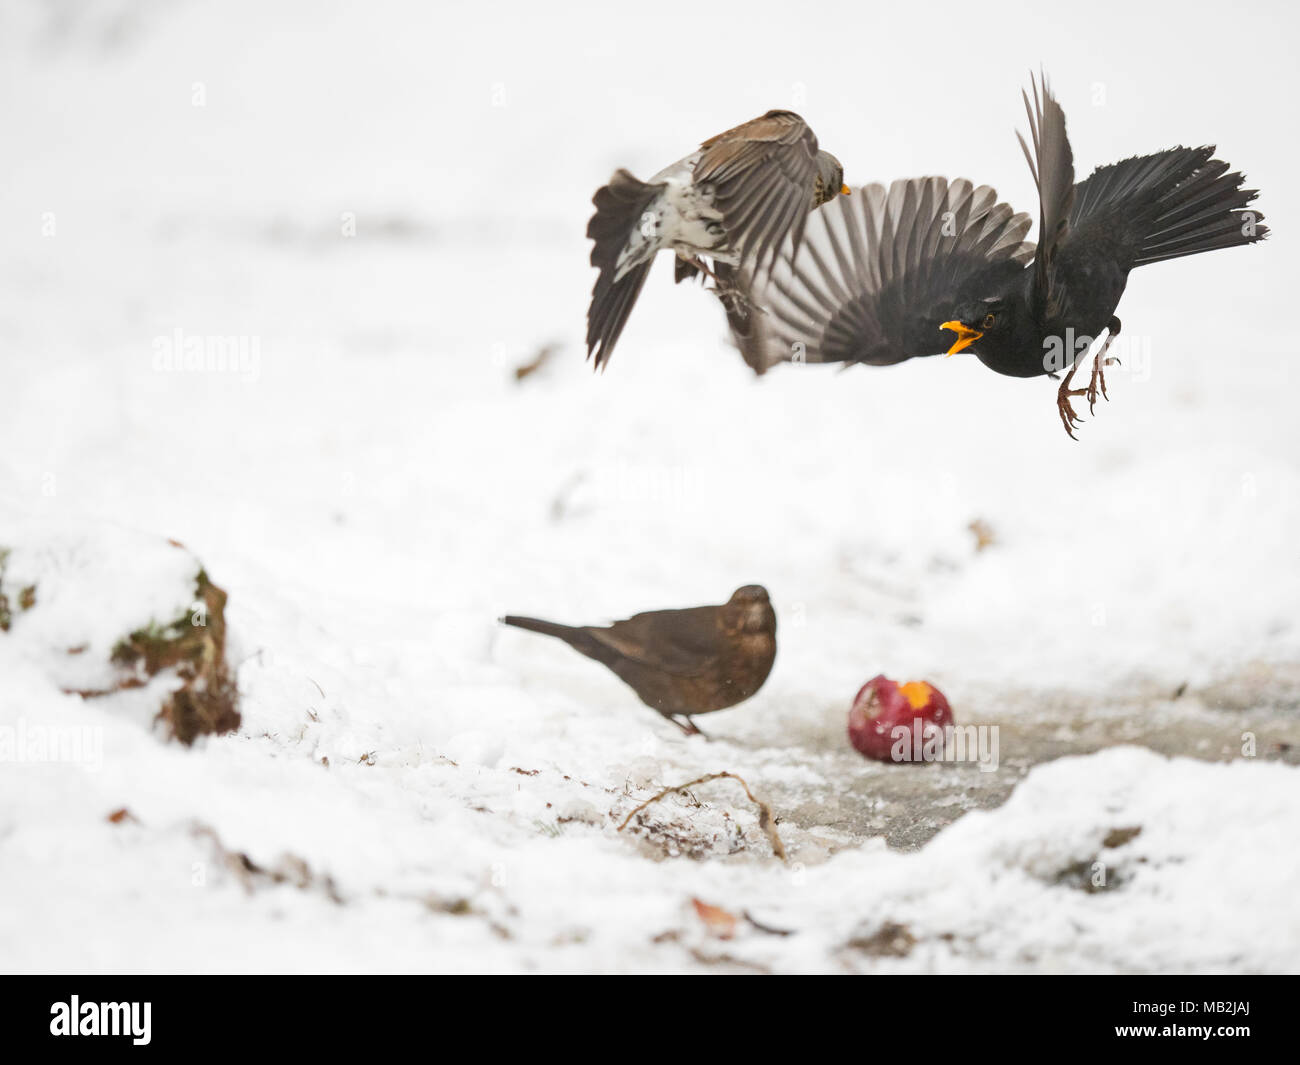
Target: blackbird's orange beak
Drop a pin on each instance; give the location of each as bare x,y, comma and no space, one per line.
965,336
845,190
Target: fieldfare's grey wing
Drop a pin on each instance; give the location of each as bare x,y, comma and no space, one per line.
682,642
1052,164
763,173
878,272
620,206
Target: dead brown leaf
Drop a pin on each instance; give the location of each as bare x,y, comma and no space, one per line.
720,923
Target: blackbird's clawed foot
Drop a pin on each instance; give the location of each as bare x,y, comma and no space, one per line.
1100,363
1096,383
1064,407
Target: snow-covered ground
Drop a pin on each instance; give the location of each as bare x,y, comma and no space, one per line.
381,206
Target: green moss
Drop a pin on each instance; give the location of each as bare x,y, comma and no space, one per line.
26,597
194,644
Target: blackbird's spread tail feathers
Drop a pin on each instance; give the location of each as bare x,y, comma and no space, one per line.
1176,202
619,207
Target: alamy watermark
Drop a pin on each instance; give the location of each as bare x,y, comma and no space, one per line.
75,1017
1132,354
23,743
181,352
923,741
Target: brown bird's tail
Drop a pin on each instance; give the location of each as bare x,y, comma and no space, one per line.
547,628
577,638
619,209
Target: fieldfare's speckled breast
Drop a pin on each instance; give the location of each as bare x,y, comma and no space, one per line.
735,200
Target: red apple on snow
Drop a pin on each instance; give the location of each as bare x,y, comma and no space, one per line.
883,706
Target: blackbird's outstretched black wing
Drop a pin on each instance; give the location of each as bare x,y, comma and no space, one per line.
1052,164
1154,207
877,273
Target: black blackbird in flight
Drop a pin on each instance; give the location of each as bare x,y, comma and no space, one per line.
1142,210
878,277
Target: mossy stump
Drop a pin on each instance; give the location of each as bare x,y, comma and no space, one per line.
194,644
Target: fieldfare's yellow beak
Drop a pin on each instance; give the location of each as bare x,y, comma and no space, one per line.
845,190
965,336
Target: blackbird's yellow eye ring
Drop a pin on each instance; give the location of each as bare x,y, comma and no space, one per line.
988,321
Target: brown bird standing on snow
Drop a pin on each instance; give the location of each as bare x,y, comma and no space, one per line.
683,662
735,199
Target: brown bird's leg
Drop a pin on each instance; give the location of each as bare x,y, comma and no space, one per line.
1099,365
689,727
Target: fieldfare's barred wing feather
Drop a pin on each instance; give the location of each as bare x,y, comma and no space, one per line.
611,303
681,642
1177,202
878,272
762,173
619,207
1052,164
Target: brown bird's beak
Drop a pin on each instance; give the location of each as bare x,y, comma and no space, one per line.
845,190
965,336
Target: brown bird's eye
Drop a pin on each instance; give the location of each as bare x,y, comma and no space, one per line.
988,321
